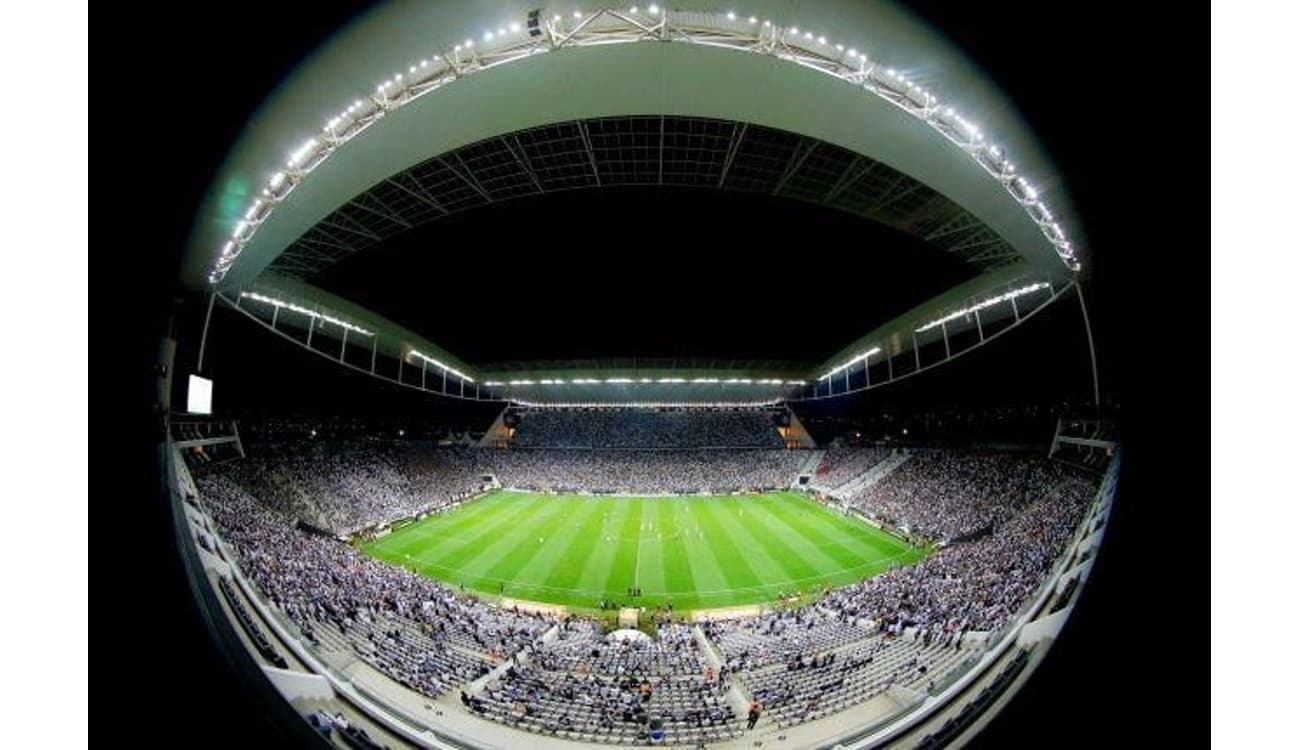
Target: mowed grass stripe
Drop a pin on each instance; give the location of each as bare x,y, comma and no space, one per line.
452,551
850,542
511,525
771,538
417,540
706,573
625,552
674,565
600,568
879,549
417,536
569,552
730,559
694,551
783,522
514,555
650,576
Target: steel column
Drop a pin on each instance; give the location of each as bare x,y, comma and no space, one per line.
207,320
1092,352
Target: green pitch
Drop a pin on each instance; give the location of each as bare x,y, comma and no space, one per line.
692,552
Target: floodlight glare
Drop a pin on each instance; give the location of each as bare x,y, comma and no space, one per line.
963,312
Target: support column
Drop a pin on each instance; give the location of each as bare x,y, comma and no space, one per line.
1092,352
207,320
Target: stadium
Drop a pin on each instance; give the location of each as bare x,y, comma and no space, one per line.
497,410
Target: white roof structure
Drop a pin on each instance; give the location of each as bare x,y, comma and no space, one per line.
420,109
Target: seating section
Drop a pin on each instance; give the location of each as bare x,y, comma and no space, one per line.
641,429
971,711
841,465
810,687
413,629
610,710
715,471
1003,521
250,625
946,495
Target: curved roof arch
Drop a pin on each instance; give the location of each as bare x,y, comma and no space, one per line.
783,86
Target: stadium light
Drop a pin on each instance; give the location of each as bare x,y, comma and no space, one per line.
442,366
284,304
991,301
493,383
647,404
618,380
859,358
334,134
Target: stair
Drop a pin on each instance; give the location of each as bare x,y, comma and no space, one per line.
874,474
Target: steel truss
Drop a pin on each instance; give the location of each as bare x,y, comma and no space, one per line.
725,31
433,380
893,344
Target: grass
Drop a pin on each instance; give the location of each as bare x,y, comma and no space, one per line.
692,552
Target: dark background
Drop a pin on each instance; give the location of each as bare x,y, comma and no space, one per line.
720,283
1083,76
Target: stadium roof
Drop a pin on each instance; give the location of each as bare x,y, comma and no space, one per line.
420,110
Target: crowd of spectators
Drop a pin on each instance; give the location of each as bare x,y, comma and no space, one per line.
843,464
682,471
346,485
948,495
646,429
977,585
382,610
1003,518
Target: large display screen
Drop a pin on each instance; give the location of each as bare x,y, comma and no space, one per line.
199,397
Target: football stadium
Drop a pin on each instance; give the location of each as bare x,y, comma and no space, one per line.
681,374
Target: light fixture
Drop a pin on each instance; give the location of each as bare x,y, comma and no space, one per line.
441,365
859,358
963,312
921,102
284,304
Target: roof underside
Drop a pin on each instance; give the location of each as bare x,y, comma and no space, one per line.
714,108
659,150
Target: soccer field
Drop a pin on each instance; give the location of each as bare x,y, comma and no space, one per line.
692,552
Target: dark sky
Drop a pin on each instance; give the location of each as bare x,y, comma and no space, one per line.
645,272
